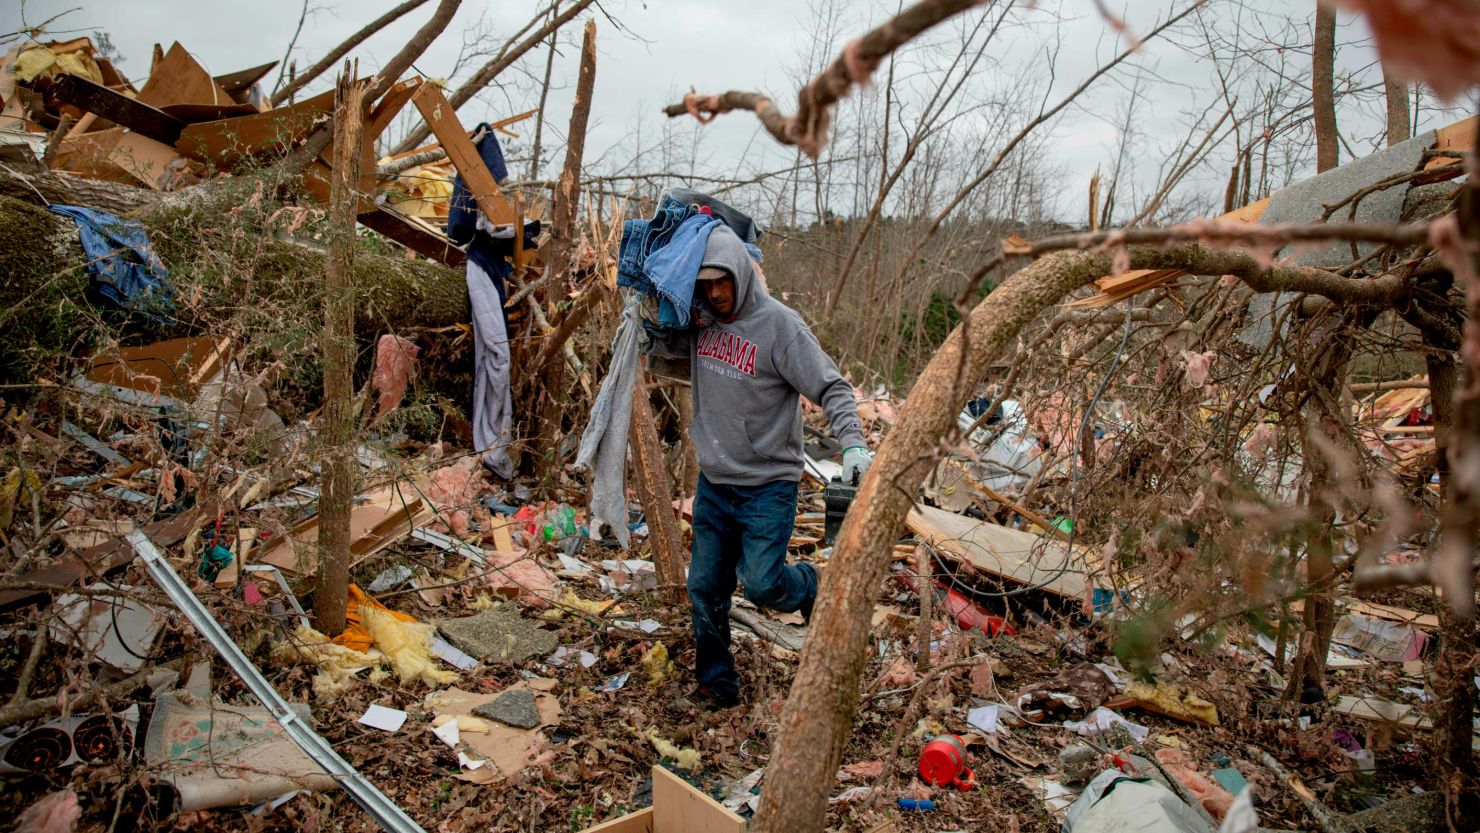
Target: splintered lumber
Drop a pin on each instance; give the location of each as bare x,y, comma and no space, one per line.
442,119
1017,556
389,107
1114,288
1458,137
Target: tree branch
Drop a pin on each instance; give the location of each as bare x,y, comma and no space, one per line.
491,70
341,50
808,128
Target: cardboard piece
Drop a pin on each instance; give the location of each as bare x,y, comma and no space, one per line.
387,515
509,749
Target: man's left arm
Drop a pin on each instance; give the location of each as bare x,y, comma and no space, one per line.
813,373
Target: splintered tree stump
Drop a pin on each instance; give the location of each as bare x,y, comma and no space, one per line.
655,492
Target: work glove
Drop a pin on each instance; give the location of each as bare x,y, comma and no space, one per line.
856,460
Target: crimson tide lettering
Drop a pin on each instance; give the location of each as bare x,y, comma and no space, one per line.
729,348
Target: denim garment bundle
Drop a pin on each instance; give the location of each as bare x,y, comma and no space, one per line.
122,265
674,268
670,278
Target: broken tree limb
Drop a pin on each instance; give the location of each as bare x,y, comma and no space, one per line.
808,128
397,66
303,78
28,710
568,190
1329,821
484,76
655,491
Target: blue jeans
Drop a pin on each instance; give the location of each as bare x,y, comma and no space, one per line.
642,237
741,532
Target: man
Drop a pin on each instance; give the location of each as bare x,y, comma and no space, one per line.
750,357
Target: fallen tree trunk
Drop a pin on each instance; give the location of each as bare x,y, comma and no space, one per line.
220,254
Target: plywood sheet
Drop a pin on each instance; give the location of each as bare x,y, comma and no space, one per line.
178,79
1020,557
228,141
679,808
638,822
117,155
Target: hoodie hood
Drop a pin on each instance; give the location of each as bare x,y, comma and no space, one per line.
725,251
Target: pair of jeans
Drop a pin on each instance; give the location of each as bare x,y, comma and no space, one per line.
641,238
741,532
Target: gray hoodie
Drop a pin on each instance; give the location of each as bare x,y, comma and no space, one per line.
746,375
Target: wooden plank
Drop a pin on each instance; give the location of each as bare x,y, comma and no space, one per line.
414,237
118,108
442,119
638,822
1019,557
1458,137
679,808
178,79
229,141
389,106
502,125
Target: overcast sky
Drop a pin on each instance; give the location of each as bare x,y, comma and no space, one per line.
660,49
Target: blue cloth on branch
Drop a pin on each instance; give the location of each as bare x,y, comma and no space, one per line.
123,266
